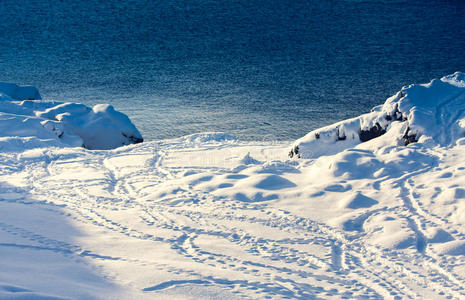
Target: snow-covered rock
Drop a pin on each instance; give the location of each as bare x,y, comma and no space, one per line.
11,91
66,124
433,112
100,127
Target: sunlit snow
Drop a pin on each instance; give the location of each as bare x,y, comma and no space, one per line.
208,216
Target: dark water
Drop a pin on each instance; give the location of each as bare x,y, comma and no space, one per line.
256,69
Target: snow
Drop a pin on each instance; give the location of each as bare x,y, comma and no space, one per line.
207,216
11,91
35,122
432,112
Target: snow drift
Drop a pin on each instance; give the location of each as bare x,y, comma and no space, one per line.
433,112
24,115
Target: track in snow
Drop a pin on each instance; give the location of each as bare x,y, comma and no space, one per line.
250,249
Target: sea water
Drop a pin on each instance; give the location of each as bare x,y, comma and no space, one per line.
260,70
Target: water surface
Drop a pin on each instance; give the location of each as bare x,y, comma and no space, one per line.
270,70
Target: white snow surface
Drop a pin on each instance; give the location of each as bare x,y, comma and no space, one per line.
31,122
209,217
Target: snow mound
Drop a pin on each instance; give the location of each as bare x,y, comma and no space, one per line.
438,235
48,123
101,127
249,160
452,248
358,200
274,182
11,91
433,112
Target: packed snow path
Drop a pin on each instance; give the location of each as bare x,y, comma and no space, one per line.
210,220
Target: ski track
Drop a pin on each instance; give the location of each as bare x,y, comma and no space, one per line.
267,267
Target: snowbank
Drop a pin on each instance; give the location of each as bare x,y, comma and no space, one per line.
61,124
433,112
11,91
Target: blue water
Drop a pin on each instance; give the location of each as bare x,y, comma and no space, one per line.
270,70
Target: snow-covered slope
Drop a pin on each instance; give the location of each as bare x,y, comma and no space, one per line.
433,112
209,217
35,123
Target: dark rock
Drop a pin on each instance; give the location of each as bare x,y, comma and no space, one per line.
373,132
409,138
294,152
396,116
133,139
339,137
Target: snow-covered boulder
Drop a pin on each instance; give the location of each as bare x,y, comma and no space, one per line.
11,91
433,112
100,127
69,124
